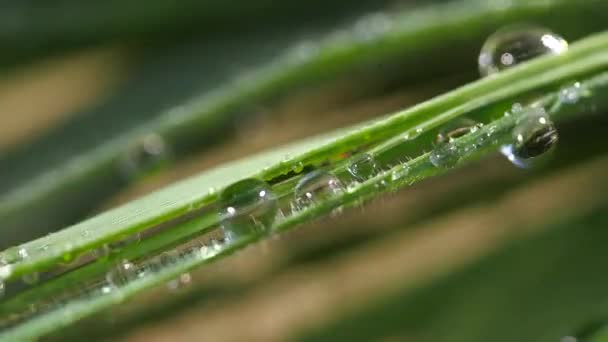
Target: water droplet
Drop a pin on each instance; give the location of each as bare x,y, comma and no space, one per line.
534,135
247,207
315,187
456,129
400,171
513,45
180,282
445,155
23,253
363,167
121,274
143,156
30,278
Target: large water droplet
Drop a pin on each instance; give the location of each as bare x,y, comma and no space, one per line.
363,167
143,156
315,187
513,45
534,136
247,207
121,274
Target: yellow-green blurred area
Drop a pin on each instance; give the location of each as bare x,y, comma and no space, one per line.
487,252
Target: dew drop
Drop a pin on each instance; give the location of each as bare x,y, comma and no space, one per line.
445,155
315,187
400,171
23,253
180,282
121,274
144,155
571,94
247,207
512,45
534,135
363,167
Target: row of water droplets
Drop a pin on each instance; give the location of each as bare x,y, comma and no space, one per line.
122,274
250,207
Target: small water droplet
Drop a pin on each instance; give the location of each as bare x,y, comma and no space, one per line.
513,45
247,207
571,94
445,155
363,167
106,289
180,282
121,274
143,156
400,171
23,253
534,135
315,187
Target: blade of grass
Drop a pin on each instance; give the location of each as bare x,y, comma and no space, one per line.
459,27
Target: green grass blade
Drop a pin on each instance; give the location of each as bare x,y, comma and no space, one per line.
459,27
